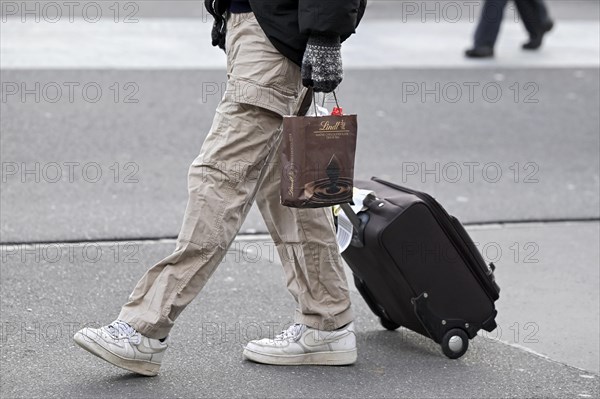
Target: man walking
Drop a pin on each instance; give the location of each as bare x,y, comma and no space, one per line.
273,47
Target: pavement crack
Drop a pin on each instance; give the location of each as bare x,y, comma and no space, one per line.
260,235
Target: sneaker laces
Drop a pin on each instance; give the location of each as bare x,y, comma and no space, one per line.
120,329
292,331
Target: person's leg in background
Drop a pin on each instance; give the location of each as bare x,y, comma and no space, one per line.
536,20
487,29
543,14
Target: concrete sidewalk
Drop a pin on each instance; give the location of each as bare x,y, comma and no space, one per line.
178,43
546,344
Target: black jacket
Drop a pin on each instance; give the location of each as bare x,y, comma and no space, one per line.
289,23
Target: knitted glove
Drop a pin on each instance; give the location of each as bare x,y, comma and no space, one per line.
322,63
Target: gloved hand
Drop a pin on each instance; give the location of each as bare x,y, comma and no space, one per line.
218,9
322,63
219,31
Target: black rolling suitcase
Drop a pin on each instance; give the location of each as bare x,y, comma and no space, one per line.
417,267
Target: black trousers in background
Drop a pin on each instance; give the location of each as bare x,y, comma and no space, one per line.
533,13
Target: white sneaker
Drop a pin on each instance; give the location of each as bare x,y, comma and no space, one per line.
120,344
300,344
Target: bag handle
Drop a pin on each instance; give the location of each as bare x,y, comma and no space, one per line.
304,94
323,103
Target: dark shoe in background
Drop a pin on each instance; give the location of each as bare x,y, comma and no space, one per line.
480,52
535,43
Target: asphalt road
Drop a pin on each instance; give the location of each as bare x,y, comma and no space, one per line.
106,170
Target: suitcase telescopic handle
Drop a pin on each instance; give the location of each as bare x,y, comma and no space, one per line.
357,223
351,215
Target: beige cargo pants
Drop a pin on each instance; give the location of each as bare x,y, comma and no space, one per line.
238,162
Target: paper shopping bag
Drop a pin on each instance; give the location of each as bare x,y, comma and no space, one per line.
317,160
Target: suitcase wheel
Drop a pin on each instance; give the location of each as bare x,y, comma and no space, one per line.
388,324
455,343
